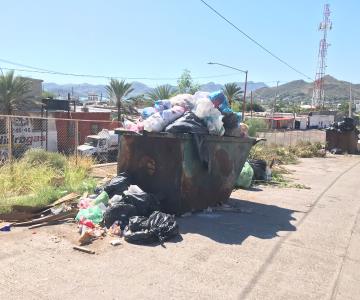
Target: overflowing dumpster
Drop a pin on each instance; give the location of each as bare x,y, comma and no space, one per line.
188,172
343,137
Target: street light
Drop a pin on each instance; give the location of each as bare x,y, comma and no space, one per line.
245,87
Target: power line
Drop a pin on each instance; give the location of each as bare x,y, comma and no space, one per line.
45,71
254,41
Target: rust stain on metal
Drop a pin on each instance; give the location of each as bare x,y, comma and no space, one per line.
171,167
224,162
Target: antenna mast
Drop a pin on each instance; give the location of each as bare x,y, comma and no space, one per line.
318,92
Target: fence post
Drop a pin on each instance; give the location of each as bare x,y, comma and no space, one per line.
9,137
76,140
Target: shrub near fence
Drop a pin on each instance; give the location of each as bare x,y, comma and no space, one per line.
20,133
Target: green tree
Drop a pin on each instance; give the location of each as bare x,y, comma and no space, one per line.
344,107
117,90
160,92
13,90
232,92
186,83
255,107
256,125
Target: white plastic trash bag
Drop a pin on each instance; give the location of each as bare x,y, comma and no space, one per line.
184,100
154,123
170,115
199,95
206,111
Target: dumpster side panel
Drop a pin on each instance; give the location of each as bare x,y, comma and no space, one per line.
202,187
154,165
347,141
170,166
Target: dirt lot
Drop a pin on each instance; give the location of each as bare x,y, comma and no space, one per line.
284,244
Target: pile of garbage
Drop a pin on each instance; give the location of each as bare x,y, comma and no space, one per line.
343,137
201,113
347,125
254,170
123,210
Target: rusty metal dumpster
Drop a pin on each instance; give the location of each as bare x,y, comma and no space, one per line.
169,165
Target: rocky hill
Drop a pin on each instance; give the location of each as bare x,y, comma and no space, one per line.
300,90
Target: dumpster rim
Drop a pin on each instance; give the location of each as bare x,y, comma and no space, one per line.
188,136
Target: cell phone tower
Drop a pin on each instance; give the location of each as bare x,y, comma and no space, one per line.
318,92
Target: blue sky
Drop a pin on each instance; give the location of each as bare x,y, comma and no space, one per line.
160,38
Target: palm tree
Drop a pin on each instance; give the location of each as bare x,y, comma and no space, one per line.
117,90
232,92
13,90
160,92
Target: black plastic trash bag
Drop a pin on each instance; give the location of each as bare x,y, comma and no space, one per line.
117,185
120,212
230,120
159,227
259,168
188,123
145,203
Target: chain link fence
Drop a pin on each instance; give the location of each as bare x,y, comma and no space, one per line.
293,137
21,133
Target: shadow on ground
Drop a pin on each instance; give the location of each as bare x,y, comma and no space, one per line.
255,219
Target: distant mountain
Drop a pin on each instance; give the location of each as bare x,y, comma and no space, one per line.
251,86
82,90
300,90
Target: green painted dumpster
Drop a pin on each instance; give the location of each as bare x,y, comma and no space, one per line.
188,172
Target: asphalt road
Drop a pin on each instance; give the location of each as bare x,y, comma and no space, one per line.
284,244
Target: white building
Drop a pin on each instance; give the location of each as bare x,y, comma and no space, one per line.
321,119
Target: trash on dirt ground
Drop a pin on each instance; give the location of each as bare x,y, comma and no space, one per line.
342,137
92,213
245,178
5,227
159,227
116,242
83,249
259,168
117,185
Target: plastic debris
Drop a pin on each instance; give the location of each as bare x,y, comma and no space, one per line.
245,178
116,242
206,111
117,185
93,213
159,227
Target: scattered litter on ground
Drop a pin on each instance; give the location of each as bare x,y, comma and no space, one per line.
5,227
159,227
83,249
115,242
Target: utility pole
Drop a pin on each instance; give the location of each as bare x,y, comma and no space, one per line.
350,103
244,100
274,108
251,103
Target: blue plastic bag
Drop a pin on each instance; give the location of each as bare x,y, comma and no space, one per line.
147,112
161,105
220,101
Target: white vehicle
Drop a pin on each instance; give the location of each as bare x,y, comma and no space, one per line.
103,146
